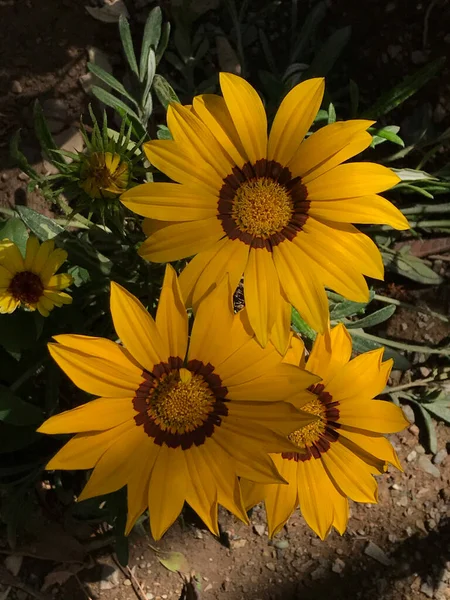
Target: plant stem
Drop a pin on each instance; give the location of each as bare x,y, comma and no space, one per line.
423,309
405,386
403,346
426,209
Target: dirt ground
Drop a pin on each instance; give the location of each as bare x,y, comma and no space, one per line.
396,550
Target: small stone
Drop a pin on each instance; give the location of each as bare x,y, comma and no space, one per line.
424,371
414,430
377,554
281,544
234,544
418,57
13,562
270,566
392,538
402,501
394,51
318,573
411,456
404,326
419,449
142,565
397,487
259,529
23,176
127,582
208,587
427,466
421,525
338,566
109,577
409,413
149,596
431,524
427,589
16,87
440,457
198,534
4,177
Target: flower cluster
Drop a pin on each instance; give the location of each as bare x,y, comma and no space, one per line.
232,413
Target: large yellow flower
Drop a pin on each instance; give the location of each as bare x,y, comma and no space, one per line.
276,209
31,281
343,449
175,421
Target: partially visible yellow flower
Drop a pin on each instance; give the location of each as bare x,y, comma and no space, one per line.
177,420
32,281
104,175
343,449
276,209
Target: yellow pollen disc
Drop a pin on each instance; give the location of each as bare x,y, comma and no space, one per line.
262,207
310,433
181,402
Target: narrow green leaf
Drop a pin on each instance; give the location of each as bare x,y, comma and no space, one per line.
15,411
377,317
388,133
19,158
42,131
347,308
127,43
301,327
175,562
312,21
15,231
165,35
404,90
164,91
163,133
429,426
411,267
328,54
43,227
113,102
151,70
439,410
331,114
111,81
150,39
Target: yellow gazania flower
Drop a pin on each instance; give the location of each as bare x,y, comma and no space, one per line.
175,421
276,209
104,175
31,281
343,449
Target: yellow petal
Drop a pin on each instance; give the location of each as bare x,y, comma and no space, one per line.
247,113
351,180
280,382
295,354
196,140
7,303
11,259
281,500
294,118
112,471
280,335
351,474
180,240
314,496
329,147
330,352
31,251
84,450
201,491
375,444
167,490
171,317
262,292
346,243
231,259
213,111
42,256
138,486
59,282
58,298
136,328
362,377
95,375
209,330
96,415
377,416
170,202
195,268
301,286
172,159
367,209
54,261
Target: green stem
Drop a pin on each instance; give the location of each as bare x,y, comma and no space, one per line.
425,209
423,309
405,386
28,373
402,346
